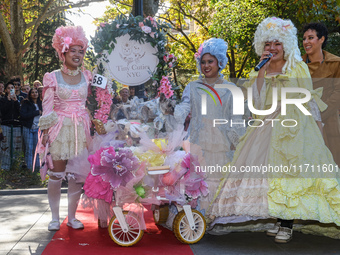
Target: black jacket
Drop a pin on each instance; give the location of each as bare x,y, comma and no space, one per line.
28,112
10,112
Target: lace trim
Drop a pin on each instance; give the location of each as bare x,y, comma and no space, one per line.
249,209
63,84
314,110
47,121
246,192
64,146
233,137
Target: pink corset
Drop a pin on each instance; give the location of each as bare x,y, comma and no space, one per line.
70,100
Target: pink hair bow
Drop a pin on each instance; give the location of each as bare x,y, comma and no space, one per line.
66,44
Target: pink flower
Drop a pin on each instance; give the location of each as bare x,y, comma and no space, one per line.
104,101
95,159
141,24
195,185
165,87
146,29
103,24
199,51
152,34
165,58
96,188
170,65
171,55
68,40
58,31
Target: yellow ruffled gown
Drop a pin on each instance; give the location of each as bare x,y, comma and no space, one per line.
298,193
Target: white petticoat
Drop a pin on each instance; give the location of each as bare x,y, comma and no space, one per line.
65,146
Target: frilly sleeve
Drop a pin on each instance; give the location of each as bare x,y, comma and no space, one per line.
49,117
183,109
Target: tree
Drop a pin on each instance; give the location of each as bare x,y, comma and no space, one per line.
19,23
150,8
236,22
40,57
190,21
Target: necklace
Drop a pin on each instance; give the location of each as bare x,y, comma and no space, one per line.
70,72
215,82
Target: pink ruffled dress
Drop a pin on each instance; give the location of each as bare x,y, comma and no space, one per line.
65,115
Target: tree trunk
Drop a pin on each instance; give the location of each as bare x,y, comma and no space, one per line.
150,8
13,66
13,38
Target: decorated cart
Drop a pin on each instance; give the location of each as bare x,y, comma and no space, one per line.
157,172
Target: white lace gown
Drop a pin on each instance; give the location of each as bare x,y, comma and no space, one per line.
214,143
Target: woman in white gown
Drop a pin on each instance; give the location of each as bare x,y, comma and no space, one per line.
216,142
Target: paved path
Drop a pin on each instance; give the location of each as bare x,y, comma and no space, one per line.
24,216
24,219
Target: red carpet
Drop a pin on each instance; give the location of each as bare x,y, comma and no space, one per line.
93,240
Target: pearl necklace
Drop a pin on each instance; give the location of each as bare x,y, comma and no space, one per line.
70,72
213,84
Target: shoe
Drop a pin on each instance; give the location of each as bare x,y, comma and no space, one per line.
274,230
75,224
284,235
54,225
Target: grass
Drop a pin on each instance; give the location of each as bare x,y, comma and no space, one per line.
20,178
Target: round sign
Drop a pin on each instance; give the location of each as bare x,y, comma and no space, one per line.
132,63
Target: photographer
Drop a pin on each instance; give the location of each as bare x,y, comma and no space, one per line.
10,112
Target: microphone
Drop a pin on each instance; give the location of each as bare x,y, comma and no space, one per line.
263,62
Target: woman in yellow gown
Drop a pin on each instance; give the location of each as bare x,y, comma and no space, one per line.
293,178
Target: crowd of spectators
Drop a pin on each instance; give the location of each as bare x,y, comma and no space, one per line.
20,110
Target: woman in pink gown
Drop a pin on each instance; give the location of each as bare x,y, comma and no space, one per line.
65,121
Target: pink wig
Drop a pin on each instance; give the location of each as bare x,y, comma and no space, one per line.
65,37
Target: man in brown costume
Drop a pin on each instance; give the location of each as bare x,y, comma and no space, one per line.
324,68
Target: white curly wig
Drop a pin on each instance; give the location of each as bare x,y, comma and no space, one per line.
216,47
284,31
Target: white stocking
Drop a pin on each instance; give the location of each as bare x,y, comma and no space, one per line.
53,193
73,193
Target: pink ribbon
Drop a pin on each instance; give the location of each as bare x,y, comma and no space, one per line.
76,122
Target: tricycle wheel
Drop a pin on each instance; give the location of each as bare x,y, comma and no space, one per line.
182,229
132,236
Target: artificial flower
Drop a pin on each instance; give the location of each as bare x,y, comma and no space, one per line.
165,87
195,185
95,187
58,31
146,29
115,167
199,51
66,44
